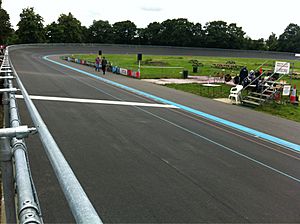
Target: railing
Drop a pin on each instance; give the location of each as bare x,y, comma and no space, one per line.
263,82
28,206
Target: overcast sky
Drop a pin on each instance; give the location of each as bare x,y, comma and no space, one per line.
258,18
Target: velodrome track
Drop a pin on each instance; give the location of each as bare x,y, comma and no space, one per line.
157,165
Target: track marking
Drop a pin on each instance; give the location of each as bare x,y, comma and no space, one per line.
185,129
109,102
243,137
224,147
245,129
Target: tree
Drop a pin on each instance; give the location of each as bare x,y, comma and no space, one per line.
85,35
31,28
124,32
72,30
272,42
12,39
67,30
290,39
216,34
235,36
198,35
177,32
54,33
100,32
5,26
255,44
151,34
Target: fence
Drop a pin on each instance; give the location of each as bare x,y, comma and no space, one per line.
13,148
113,69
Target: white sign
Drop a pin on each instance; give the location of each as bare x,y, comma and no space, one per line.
286,90
123,71
282,67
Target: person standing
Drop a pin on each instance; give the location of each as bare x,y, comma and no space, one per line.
243,75
97,64
103,64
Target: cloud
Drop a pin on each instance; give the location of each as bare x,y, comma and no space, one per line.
151,9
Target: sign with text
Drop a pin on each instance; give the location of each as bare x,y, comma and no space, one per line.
286,90
123,71
282,67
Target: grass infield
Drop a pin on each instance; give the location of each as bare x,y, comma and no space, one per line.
156,66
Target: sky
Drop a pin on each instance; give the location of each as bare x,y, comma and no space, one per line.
258,18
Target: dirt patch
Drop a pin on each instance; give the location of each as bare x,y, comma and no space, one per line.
150,62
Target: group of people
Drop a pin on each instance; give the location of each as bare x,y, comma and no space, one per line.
246,77
100,61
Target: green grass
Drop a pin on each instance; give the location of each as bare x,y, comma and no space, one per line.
221,91
293,82
287,111
156,62
155,71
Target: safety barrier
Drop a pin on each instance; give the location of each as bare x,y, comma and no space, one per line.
113,69
13,146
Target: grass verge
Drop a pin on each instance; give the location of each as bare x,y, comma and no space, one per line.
287,111
284,110
198,89
157,66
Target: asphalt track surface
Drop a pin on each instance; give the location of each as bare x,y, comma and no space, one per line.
156,165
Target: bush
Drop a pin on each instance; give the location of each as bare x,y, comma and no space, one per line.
231,62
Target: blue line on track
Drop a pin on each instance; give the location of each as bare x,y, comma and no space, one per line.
251,131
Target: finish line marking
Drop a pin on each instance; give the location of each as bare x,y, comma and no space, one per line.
243,128
108,102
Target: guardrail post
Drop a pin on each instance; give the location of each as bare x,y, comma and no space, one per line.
28,208
7,165
8,180
79,203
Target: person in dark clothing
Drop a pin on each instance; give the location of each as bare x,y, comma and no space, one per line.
258,82
243,75
236,80
103,64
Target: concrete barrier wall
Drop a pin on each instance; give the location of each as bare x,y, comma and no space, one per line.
157,50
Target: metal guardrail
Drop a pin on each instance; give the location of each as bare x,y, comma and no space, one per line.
262,83
28,206
14,146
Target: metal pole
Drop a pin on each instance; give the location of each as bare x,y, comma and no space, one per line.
292,73
139,69
7,166
80,205
28,210
8,181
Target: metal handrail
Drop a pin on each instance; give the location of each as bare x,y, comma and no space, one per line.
81,207
264,81
28,206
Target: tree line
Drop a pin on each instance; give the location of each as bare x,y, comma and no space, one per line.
171,32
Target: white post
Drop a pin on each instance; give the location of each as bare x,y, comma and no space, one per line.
139,69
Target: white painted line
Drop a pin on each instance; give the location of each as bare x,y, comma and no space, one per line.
159,67
76,100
